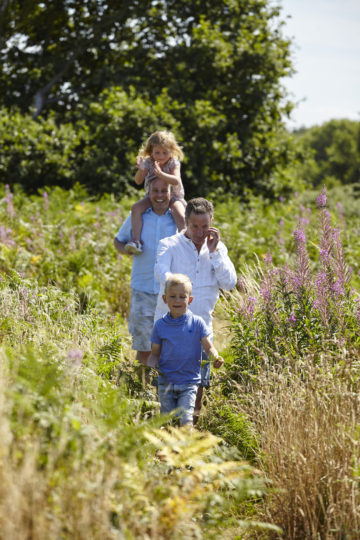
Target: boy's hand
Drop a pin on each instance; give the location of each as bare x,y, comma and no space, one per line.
216,359
152,361
218,362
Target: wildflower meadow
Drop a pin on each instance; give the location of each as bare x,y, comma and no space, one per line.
84,451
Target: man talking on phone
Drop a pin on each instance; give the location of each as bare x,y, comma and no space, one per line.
197,252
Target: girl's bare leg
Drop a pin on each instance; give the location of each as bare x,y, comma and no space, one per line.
178,213
137,211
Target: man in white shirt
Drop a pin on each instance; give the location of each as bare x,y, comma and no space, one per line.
198,253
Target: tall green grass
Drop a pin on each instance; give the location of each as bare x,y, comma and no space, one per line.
84,452
78,425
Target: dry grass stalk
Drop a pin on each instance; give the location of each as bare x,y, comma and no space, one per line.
310,442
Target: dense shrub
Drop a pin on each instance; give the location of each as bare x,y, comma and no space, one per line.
333,150
37,153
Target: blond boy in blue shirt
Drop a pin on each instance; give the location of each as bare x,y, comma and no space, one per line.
176,350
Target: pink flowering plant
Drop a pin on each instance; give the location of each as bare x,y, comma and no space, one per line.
303,307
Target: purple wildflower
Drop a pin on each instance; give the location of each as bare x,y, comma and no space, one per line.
268,257
75,356
9,202
324,255
337,288
241,284
286,274
301,275
321,200
299,236
291,319
321,295
305,221
250,306
5,237
266,294
320,280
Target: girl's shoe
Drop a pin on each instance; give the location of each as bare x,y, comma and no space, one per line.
133,248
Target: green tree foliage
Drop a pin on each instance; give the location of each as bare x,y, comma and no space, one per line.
215,66
38,153
334,148
57,53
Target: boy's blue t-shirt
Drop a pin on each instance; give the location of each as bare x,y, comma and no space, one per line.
180,357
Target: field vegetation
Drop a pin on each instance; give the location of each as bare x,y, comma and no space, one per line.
84,453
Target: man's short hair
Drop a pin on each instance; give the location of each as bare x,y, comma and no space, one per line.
178,279
199,206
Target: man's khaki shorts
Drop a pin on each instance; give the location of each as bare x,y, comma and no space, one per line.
141,319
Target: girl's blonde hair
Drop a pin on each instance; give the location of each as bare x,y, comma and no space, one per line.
162,138
178,279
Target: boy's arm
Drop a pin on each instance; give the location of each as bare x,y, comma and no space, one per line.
153,360
211,352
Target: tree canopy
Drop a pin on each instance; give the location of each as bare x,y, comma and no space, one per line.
334,149
217,65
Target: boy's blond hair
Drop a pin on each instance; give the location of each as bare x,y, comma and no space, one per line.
178,279
162,138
